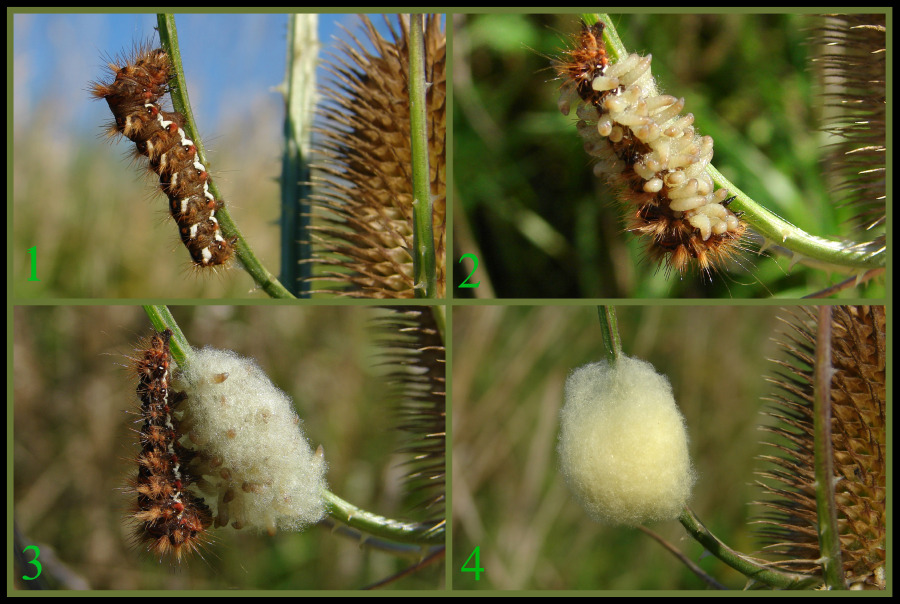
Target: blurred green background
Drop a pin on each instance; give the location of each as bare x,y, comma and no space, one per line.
509,368
527,204
73,446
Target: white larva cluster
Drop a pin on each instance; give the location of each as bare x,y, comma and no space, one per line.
257,467
643,144
623,445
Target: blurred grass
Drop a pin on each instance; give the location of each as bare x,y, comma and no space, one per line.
101,225
72,445
543,226
102,229
508,497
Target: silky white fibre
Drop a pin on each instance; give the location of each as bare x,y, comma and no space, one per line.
259,463
623,445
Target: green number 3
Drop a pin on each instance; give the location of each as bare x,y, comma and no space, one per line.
37,553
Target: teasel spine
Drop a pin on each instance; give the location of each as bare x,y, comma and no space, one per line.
363,203
413,342
857,395
852,60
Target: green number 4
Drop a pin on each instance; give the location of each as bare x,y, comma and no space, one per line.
477,569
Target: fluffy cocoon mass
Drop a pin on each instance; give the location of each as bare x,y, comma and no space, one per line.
623,444
257,465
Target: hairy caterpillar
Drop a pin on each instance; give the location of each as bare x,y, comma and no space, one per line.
133,97
651,153
170,520
224,449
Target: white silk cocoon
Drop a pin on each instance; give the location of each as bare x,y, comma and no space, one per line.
623,445
261,471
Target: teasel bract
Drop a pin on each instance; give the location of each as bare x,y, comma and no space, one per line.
413,347
362,203
790,526
852,59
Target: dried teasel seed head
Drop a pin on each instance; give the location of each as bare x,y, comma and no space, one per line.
363,196
414,349
788,526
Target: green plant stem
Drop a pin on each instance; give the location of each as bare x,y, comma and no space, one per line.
609,328
162,319
818,252
379,526
168,36
809,249
424,260
299,91
740,562
827,525
414,551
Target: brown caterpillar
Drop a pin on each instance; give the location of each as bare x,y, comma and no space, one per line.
651,153
171,521
133,97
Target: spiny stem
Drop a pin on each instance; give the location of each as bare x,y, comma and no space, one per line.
424,269
414,551
829,539
809,249
168,35
379,526
740,562
299,89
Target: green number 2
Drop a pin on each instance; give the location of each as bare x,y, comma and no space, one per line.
37,553
477,569
466,283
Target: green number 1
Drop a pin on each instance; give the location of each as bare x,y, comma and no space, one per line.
477,569
32,251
